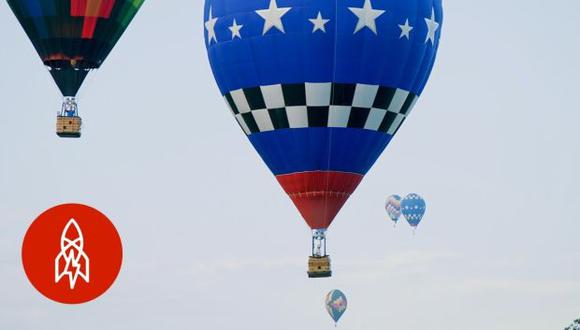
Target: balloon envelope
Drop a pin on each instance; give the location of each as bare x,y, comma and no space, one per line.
73,37
393,207
336,304
413,208
321,87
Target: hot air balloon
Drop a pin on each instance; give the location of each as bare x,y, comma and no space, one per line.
72,38
413,208
320,88
393,207
336,304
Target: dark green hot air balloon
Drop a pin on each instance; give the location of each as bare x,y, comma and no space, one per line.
72,38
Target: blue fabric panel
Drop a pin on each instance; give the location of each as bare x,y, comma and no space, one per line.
39,8
350,150
33,8
339,55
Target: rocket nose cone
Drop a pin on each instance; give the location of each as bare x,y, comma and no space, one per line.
72,231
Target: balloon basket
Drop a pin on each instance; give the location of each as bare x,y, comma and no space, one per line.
68,127
319,267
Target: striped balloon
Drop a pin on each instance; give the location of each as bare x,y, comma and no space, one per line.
393,207
73,37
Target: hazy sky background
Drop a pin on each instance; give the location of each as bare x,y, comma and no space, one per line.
212,242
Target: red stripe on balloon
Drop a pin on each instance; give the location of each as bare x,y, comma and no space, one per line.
319,195
106,8
91,8
78,7
89,25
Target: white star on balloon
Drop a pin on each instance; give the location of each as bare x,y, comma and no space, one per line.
273,17
366,16
210,27
432,27
235,28
406,30
319,23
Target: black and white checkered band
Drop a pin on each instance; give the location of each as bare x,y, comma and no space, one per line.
372,107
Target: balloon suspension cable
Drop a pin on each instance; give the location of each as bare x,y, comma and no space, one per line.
70,107
414,230
319,243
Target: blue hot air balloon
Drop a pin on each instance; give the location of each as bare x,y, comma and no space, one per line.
336,304
320,88
413,208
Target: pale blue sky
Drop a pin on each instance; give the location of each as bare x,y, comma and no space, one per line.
211,241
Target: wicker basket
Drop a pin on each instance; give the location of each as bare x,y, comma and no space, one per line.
68,127
319,267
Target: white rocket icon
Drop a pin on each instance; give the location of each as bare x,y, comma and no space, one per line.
72,261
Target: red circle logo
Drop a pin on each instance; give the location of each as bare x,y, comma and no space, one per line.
72,253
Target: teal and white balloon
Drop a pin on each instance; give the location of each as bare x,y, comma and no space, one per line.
413,208
336,304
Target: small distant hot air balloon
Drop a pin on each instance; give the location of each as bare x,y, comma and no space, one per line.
336,304
413,208
393,207
72,38
320,88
